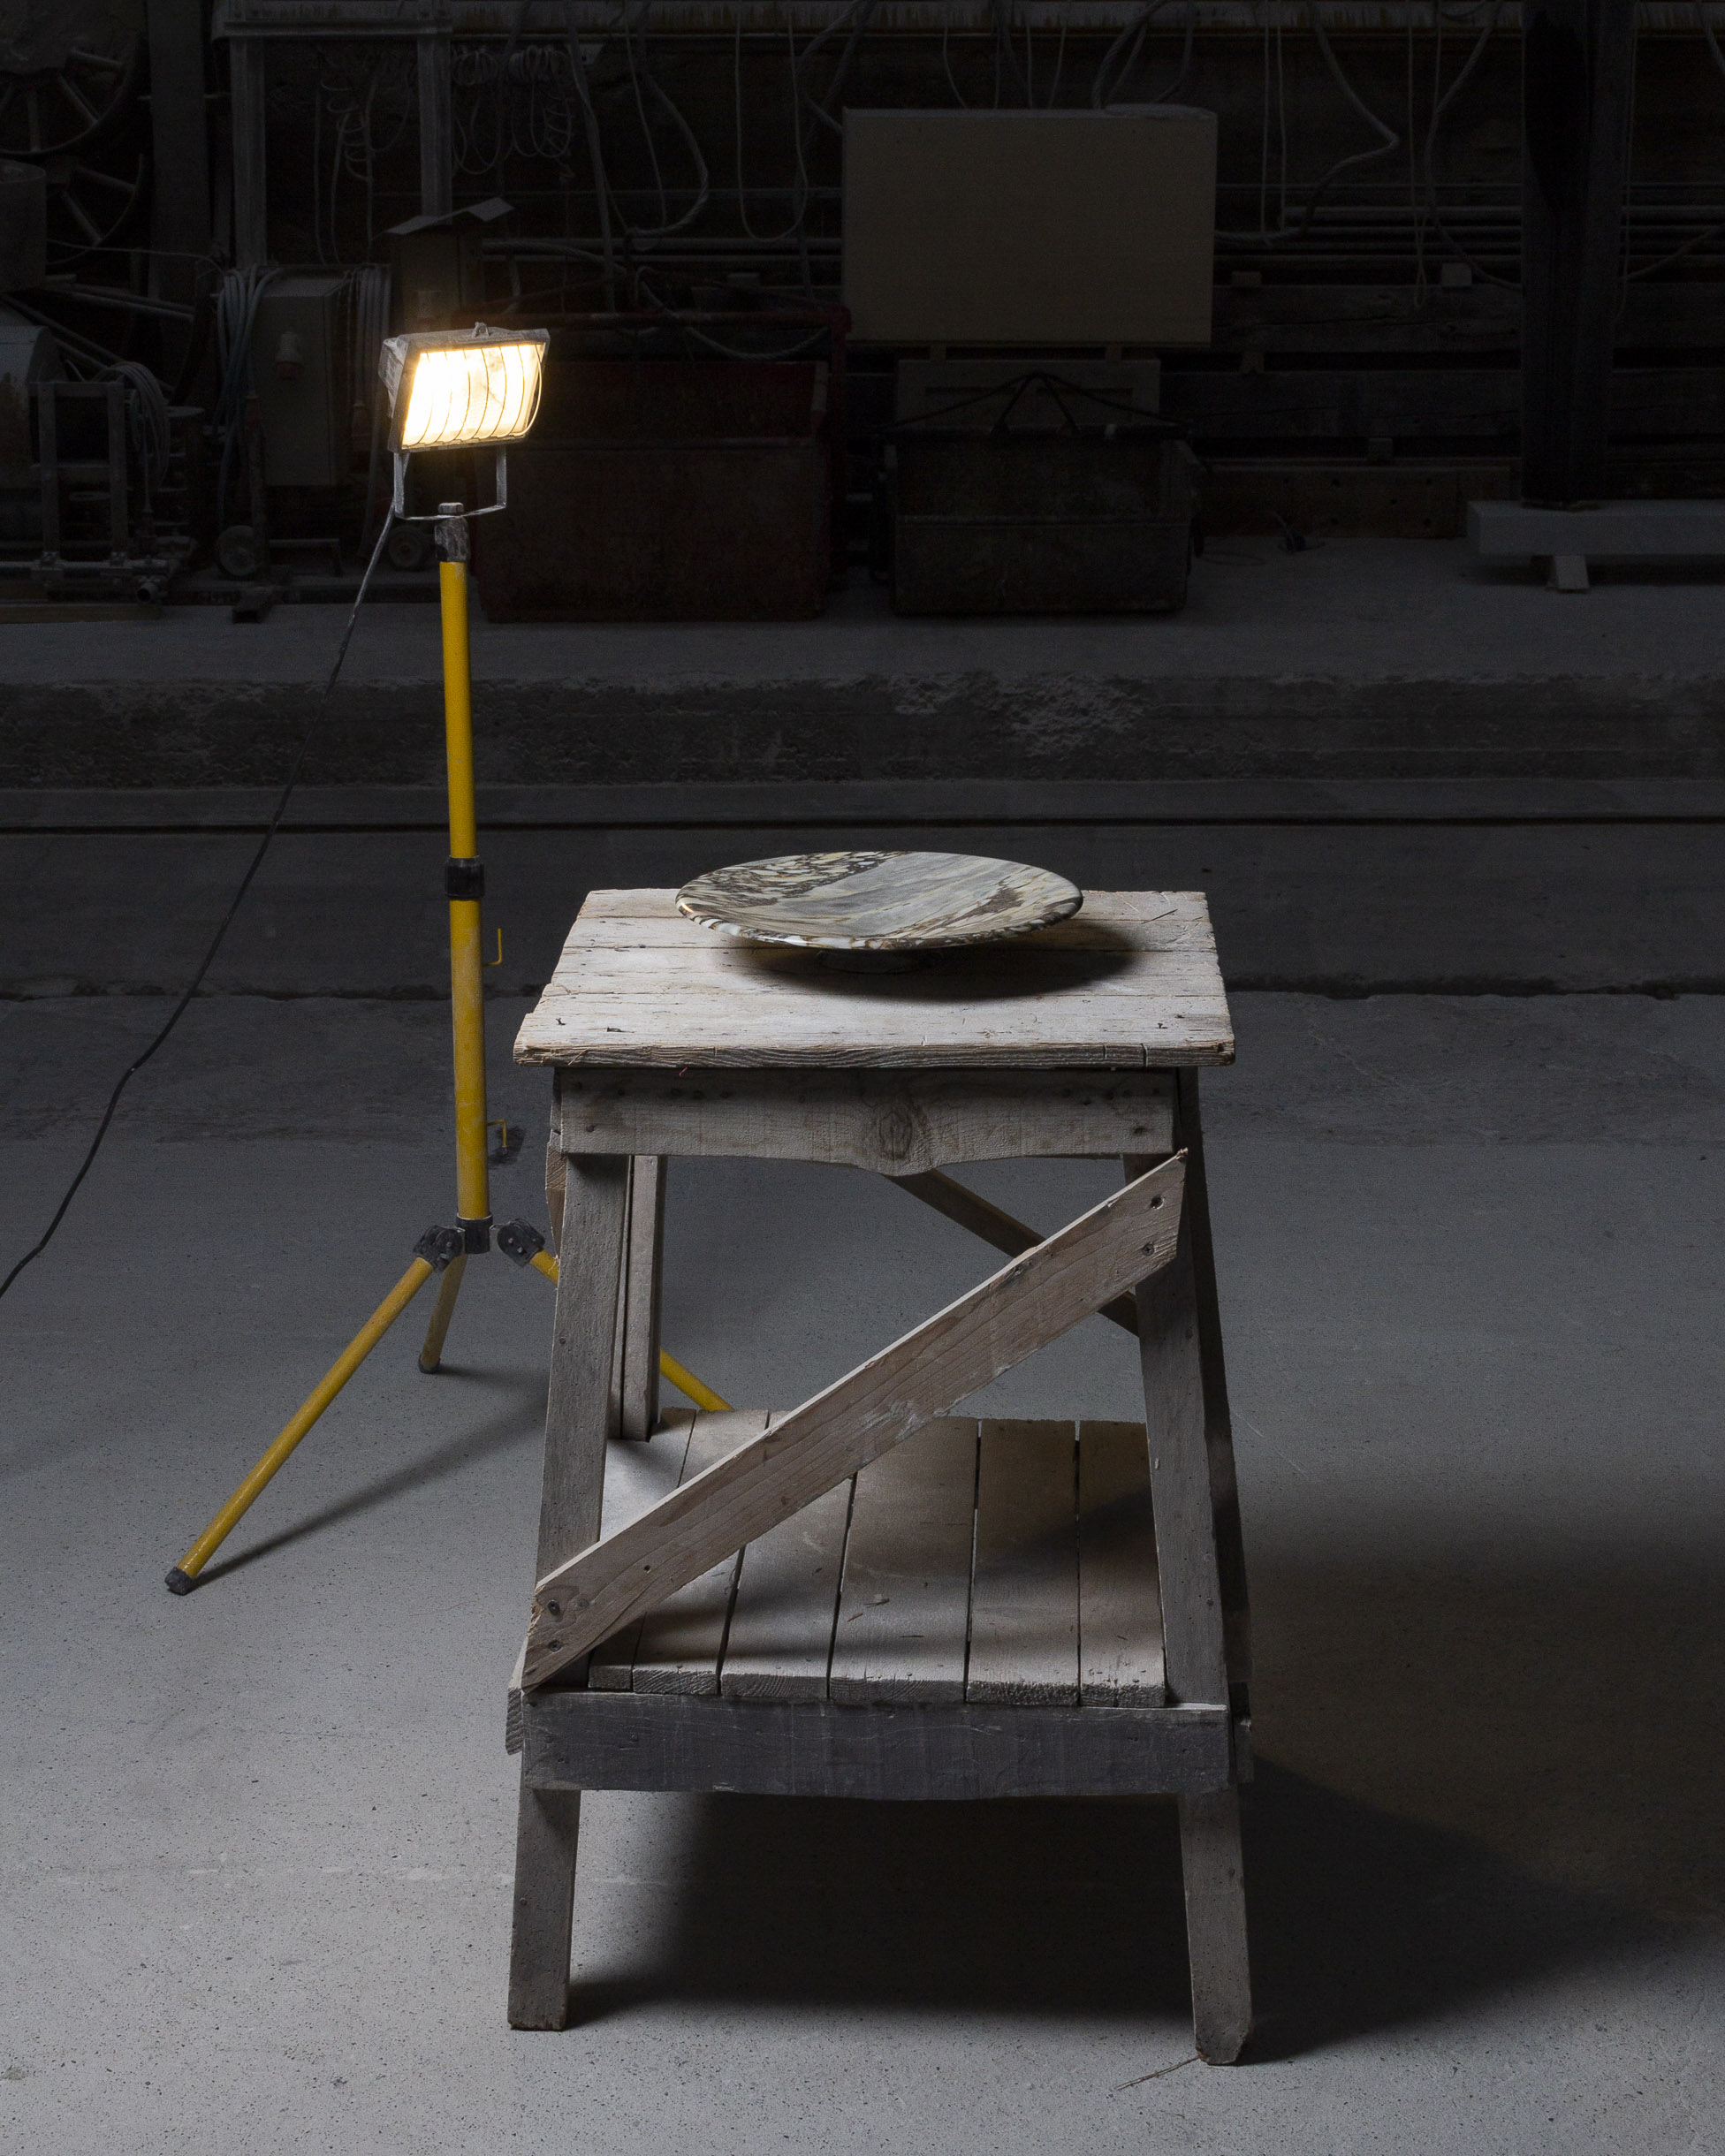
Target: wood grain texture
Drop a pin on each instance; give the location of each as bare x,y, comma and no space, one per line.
961,1205
1008,1317
579,1403
548,1826
1218,1422
638,1375
1120,1609
1194,1649
918,1754
1130,982
780,1638
742,974
679,1642
903,1614
1024,1590
557,1175
637,1475
1216,1923
891,1122
513,1736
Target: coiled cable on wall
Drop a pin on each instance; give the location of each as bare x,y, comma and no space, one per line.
147,419
1114,71
369,319
236,319
1439,106
1388,140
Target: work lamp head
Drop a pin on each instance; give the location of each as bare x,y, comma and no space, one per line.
461,389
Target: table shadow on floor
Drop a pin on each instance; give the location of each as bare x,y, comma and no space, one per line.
1072,1908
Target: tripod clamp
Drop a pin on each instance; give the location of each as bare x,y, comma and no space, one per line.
440,1247
520,1240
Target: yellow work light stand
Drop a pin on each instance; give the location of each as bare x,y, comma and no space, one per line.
441,1252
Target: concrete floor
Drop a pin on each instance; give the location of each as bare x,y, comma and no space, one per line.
257,1857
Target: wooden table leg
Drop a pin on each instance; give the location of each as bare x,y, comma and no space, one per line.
1178,1413
556,1174
638,1375
1216,1924
579,1421
1218,1422
545,1837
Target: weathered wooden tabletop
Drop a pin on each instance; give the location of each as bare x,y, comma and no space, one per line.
1131,981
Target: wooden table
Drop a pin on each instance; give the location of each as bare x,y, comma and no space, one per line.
971,1610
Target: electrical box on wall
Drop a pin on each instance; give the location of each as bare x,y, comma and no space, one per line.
437,267
1031,228
300,367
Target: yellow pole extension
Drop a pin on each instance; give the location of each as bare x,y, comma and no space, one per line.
466,978
467,961
180,1579
672,1370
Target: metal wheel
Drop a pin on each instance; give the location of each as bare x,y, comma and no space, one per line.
237,554
68,74
88,208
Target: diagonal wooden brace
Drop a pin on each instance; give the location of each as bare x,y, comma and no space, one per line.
969,1210
955,1353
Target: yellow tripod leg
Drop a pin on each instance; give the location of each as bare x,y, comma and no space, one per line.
672,1370
691,1387
442,1310
180,1579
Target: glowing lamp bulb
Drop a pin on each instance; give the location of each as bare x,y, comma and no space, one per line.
461,389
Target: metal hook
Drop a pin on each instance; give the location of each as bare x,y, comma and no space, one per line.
497,960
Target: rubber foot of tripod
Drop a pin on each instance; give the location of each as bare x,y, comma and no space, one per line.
180,1582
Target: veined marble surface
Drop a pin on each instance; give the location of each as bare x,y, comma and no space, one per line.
878,901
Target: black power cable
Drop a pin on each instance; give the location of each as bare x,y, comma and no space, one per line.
196,983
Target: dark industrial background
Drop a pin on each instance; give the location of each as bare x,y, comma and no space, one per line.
672,164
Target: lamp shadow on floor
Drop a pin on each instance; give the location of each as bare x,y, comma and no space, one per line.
519,1422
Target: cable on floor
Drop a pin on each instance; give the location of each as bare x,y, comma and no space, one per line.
197,980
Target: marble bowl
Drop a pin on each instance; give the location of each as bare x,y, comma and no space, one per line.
878,902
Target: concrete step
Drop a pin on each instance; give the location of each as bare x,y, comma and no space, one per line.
1360,659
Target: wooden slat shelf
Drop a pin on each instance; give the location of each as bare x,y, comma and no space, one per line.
974,1614
991,1563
